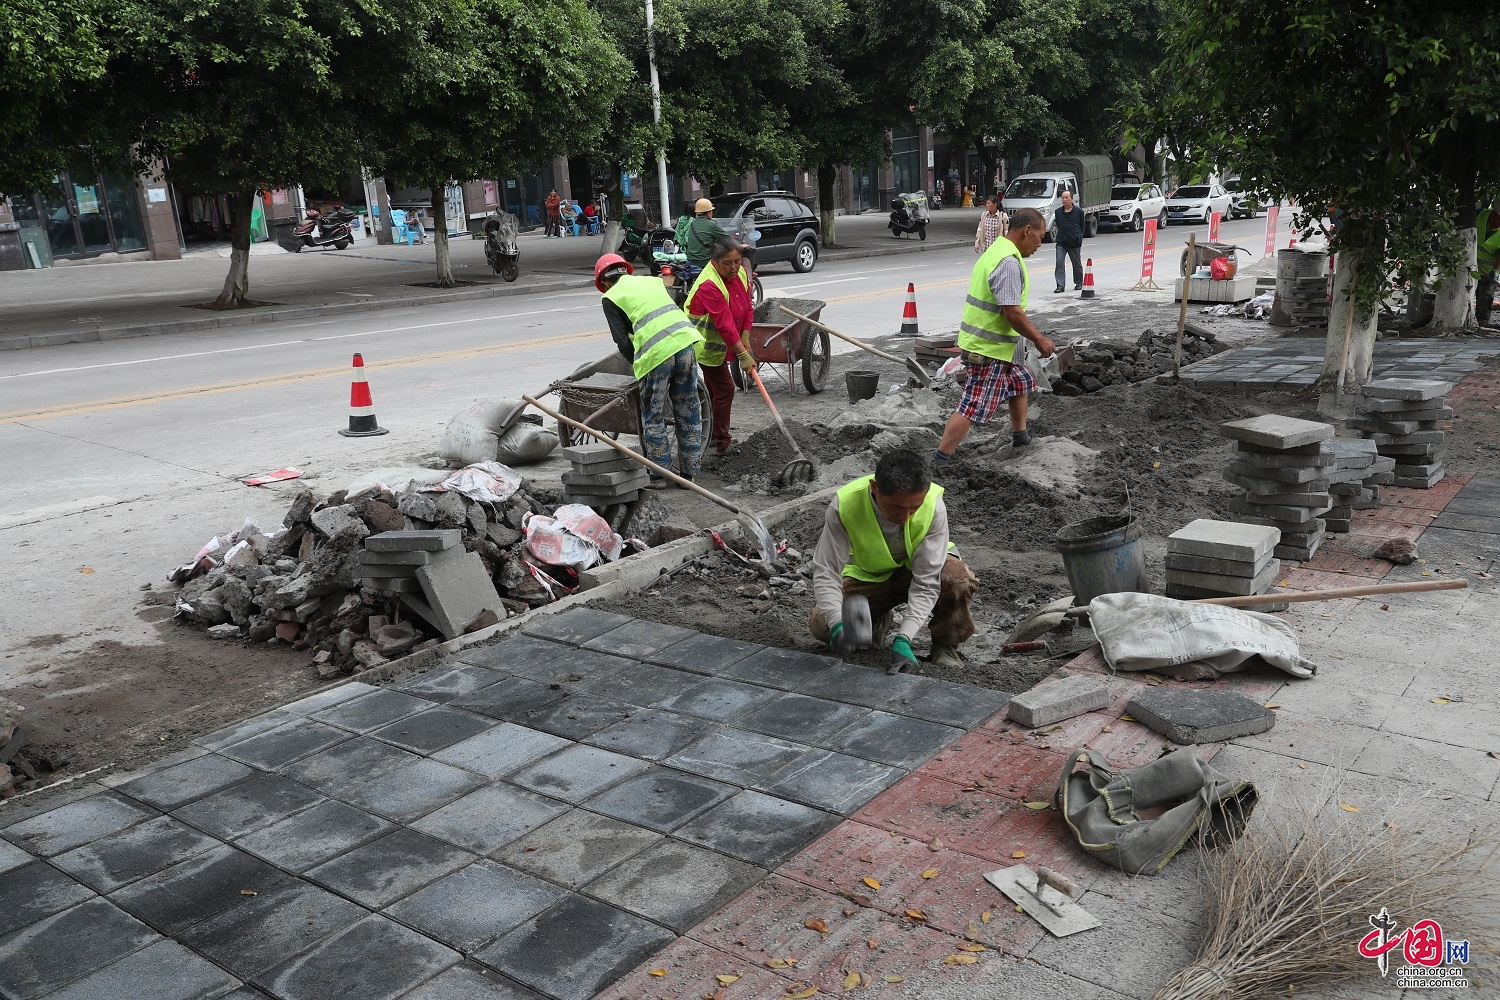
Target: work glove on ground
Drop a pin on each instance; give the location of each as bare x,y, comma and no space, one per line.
902,656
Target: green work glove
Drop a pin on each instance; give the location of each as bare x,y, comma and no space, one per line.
902,656
835,637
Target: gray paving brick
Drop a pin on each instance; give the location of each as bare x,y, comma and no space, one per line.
720,700
35,891
800,718
490,817
576,948
578,716
314,835
641,684
516,654
410,791
638,639
704,654
1237,585
466,982
171,787
662,799
757,828
476,904
77,823
575,626
384,870
510,699
241,731
286,743
736,755
934,700
362,757
577,773
446,685
574,667
1190,717
576,848
34,961
433,729
675,884
833,781
651,734
893,739
501,750
375,959
198,888
857,685
12,857
248,806
162,971
428,540
143,849
1407,388
1059,699
1224,540
260,931
372,711
329,697
785,669
1275,431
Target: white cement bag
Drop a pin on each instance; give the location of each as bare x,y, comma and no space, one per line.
525,443
1148,632
575,537
473,435
396,478
486,482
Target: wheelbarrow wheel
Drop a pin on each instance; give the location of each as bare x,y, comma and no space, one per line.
815,354
705,406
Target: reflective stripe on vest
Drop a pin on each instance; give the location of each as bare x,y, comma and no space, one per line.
984,328
870,557
712,352
658,328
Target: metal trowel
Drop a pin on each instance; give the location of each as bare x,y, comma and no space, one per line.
859,625
1045,895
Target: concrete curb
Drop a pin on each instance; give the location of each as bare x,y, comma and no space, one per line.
890,251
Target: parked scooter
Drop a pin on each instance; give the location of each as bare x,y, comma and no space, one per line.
909,215
319,230
500,248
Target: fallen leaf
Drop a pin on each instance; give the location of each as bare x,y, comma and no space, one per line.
1044,746
658,973
1036,805
930,873
817,924
852,980
726,979
867,859
916,914
1156,465
1018,855
986,916
1127,717
1303,766
1442,701
528,848
88,569
1425,573
1485,576
1347,807
960,959
972,946
1385,607
872,883
894,978
981,782
1272,704
800,993
247,892
850,911
856,897
873,943
971,930
781,963
935,845
1107,729
865,981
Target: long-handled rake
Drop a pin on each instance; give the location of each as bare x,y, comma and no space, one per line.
800,469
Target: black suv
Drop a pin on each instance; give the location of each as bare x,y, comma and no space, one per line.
789,228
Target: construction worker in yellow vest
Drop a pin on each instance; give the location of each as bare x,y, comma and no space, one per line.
719,304
994,323
1487,253
658,339
885,538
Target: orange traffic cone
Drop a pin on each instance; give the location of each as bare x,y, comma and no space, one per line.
361,408
1088,279
909,314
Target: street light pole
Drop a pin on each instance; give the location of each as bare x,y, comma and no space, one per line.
661,151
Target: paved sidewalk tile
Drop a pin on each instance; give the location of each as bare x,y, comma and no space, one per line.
786,669
572,666
490,817
263,930
371,711
162,971
675,884
265,722
376,959
577,716
652,734
433,729
575,626
691,969
1012,769
510,699
640,684
577,773
411,791
361,757
470,982
857,685
661,799
77,823
446,685
501,750
32,964
35,891
313,836
384,870
12,857
638,638
575,949
173,786
833,781
704,654
144,849
720,700
521,655
736,756
893,739
248,806
201,887
329,697
576,848
476,904
934,700
285,744
760,829
802,719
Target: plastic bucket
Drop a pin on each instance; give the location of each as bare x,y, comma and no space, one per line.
1103,555
861,385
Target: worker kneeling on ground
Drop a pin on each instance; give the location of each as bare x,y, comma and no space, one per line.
885,538
659,341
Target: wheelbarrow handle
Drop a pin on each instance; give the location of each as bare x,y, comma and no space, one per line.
844,337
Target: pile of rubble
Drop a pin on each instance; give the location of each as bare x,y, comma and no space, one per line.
1092,366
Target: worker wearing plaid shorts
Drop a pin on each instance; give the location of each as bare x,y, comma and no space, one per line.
994,323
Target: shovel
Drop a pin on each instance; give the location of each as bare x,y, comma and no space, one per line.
751,523
911,364
800,468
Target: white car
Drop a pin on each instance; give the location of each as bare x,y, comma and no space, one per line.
1243,203
1130,205
1197,203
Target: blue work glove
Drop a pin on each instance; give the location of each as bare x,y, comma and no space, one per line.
902,656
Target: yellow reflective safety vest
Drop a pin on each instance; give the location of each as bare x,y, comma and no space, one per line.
658,326
870,556
984,328
1489,246
712,352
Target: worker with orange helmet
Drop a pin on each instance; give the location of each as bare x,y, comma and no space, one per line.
657,338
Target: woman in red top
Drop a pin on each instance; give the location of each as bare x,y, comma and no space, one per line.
719,305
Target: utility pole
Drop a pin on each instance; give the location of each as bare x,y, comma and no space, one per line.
661,151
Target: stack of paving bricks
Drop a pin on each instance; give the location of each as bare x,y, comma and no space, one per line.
1400,416
1355,480
937,348
1306,303
602,477
1285,470
435,576
1221,559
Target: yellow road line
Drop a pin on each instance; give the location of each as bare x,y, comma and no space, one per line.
286,378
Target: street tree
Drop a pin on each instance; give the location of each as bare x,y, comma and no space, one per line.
487,87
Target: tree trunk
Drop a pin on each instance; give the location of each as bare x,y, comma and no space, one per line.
237,283
445,277
1361,351
611,241
827,173
1453,309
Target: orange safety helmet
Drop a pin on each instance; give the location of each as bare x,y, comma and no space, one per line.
605,263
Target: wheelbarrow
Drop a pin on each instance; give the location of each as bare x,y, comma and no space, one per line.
606,396
773,343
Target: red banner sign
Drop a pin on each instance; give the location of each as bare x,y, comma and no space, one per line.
1148,250
1272,215
1213,226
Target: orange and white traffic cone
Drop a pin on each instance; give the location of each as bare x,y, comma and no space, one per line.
909,314
1088,279
362,421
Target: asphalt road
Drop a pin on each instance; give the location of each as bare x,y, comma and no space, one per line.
122,458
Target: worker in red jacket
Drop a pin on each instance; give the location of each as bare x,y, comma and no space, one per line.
719,305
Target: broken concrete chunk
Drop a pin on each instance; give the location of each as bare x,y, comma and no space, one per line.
339,522
225,631
502,535
1057,700
300,512
381,516
1190,717
1400,551
456,591
450,511
236,598
417,505
394,640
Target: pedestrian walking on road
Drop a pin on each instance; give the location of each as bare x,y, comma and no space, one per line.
1070,221
719,305
659,341
885,538
989,336
991,224
553,204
